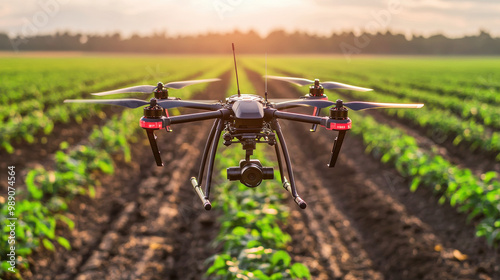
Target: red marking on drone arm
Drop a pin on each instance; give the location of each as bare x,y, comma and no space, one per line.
339,126
157,125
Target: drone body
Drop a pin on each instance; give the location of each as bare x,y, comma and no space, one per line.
247,120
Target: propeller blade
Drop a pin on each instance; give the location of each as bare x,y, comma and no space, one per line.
181,84
304,102
149,89
335,85
354,105
195,104
130,103
166,104
360,105
296,81
140,89
326,85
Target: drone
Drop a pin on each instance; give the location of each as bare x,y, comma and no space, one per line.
246,119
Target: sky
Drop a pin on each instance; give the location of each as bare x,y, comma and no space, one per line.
453,18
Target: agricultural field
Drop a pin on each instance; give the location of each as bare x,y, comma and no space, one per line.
415,194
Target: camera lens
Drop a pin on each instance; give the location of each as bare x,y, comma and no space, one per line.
251,175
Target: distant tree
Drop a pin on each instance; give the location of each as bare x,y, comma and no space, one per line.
278,41
5,42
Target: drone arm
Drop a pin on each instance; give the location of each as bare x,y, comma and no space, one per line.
211,107
341,125
299,117
198,116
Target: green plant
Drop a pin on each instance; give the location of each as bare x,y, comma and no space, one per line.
443,112
49,190
35,223
250,234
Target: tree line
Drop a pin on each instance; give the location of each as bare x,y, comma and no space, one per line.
277,42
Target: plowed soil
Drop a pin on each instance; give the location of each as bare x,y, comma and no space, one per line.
146,221
362,222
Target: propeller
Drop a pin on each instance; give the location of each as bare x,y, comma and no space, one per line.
126,102
326,85
360,105
149,89
354,105
165,104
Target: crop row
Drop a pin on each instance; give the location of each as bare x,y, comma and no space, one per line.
469,79
54,79
46,112
464,79
48,191
433,120
469,108
252,242
50,98
436,120
480,197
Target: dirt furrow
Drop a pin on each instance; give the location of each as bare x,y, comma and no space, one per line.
403,241
159,218
335,251
337,243
39,153
477,161
405,235
138,225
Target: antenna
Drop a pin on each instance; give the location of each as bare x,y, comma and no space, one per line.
265,92
236,69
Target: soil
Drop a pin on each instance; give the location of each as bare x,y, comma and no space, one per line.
30,155
362,222
146,222
477,161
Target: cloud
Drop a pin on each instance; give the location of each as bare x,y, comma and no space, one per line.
196,16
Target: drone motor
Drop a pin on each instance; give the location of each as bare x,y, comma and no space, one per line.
161,92
339,119
152,118
317,89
